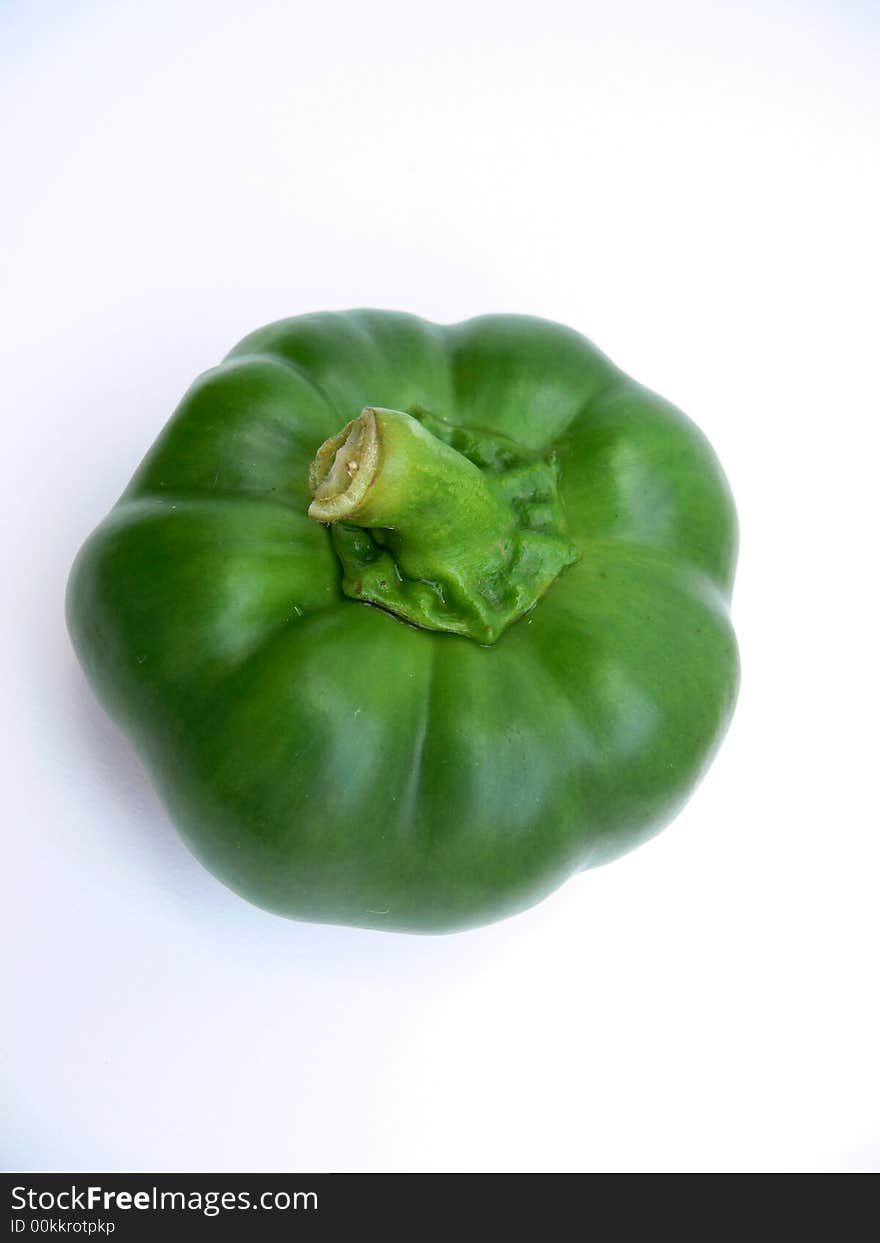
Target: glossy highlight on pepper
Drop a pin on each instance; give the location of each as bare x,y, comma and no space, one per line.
408,623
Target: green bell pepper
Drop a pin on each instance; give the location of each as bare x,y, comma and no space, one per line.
409,623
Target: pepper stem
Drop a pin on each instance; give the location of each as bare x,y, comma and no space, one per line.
429,532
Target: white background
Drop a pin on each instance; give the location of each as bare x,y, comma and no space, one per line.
694,186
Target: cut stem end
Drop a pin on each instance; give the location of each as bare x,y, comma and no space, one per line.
343,469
